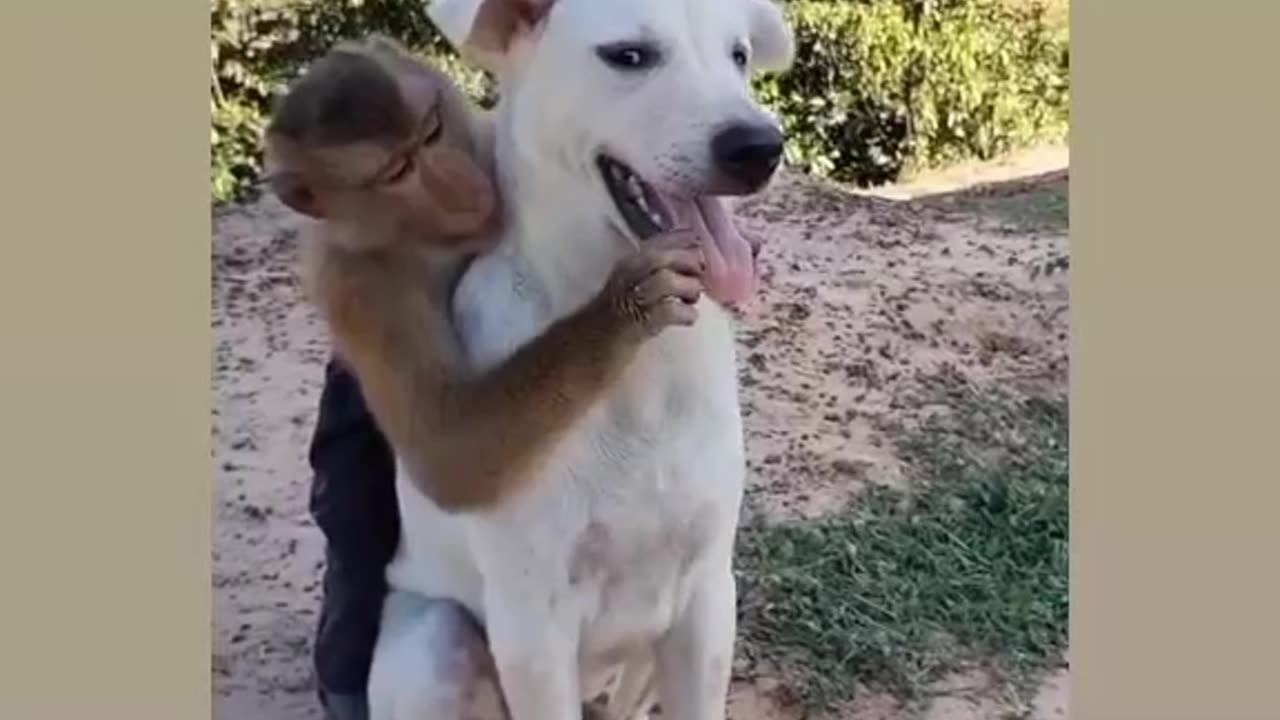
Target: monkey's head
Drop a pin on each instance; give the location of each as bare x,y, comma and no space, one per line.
371,138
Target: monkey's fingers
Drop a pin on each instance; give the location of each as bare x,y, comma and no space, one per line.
671,239
684,261
665,284
671,311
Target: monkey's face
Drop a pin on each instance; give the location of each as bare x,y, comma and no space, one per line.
429,180
436,177
432,183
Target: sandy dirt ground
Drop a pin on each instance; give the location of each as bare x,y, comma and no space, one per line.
861,293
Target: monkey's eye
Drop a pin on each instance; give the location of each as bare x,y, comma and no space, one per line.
400,170
437,129
629,56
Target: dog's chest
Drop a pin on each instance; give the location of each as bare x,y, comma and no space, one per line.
642,494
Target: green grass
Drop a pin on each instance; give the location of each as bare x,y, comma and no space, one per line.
1021,205
1044,207
900,588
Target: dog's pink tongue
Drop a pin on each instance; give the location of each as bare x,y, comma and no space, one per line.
731,268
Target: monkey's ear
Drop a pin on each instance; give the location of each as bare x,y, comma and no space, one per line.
772,44
484,30
294,192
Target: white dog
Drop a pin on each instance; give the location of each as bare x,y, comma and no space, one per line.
617,118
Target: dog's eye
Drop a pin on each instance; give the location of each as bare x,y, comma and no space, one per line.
629,56
740,56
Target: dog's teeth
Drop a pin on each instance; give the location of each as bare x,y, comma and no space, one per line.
633,189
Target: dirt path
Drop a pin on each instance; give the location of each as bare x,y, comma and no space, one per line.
861,293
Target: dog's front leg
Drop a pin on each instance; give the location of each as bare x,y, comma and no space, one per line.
430,661
695,657
634,696
535,648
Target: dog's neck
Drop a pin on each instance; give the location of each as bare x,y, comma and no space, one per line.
565,246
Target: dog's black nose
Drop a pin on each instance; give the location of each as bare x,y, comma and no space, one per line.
748,154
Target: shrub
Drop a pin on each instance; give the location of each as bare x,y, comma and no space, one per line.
886,86
879,86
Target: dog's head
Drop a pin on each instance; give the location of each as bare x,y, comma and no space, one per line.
649,98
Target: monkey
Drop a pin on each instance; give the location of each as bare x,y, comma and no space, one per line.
395,164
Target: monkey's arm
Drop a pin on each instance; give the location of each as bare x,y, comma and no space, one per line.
468,440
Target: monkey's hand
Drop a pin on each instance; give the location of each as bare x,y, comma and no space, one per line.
659,285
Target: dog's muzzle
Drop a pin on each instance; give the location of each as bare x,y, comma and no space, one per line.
747,154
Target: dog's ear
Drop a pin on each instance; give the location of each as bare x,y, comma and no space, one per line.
483,30
772,45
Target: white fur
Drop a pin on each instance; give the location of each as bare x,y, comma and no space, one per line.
621,553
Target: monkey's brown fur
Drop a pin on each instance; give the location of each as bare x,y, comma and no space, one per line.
395,234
